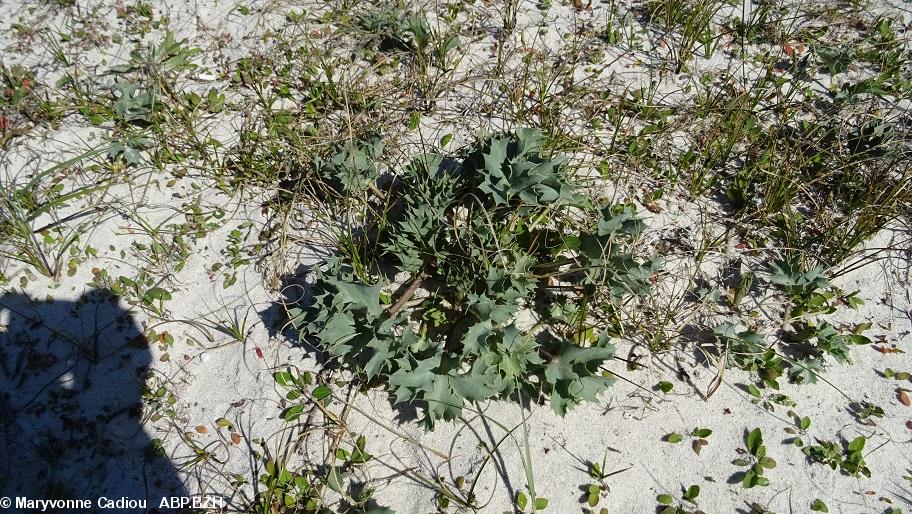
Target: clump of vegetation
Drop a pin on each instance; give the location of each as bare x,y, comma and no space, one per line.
801,352
490,272
847,457
757,459
512,261
667,504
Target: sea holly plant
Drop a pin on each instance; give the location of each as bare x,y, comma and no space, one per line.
488,240
351,167
810,290
132,104
787,274
168,56
800,354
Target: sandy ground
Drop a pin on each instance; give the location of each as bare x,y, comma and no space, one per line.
213,376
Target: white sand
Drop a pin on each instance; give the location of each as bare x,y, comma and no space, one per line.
223,378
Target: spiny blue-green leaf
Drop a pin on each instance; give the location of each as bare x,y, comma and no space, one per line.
339,329
475,385
587,388
528,140
441,400
475,337
563,363
488,310
379,357
359,294
413,376
619,219
788,275
515,353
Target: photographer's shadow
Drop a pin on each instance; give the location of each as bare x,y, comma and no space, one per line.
72,377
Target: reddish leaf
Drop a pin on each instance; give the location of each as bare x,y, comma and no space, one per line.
201,429
903,397
259,353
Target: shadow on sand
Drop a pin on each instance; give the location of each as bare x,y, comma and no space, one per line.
72,377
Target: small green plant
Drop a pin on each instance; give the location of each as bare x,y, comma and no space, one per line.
768,400
23,103
818,506
154,299
699,435
394,29
132,104
357,455
304,490
847,457
864,412
835,59
537,505
757,460
593,492
801,355
285,490
158,401
741,289
897,375
234,325
688,496
300,390
802,424
748,350
822,339
168,56
129,149
351,167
